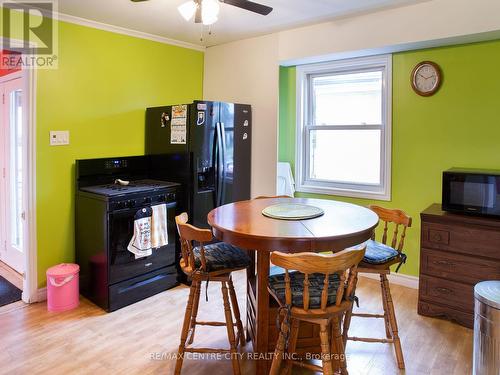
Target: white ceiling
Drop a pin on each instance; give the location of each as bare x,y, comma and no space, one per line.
161,18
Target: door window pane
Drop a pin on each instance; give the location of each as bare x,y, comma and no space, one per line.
346,156
16,168
348,99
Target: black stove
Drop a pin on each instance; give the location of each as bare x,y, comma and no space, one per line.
106,209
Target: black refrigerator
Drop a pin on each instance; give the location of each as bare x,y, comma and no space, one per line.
206,147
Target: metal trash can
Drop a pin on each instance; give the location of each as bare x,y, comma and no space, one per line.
487,328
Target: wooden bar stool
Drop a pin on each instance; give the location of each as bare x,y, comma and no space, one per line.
378,259
319,290
213,262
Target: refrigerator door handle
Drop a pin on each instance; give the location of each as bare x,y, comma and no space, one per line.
223,162
219,173
215,163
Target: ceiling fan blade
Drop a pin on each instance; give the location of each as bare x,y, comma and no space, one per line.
249,5
138,1
197,15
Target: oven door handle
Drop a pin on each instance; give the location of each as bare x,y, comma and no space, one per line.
128,211
169,205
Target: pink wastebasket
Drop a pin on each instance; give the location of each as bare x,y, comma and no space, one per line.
63,287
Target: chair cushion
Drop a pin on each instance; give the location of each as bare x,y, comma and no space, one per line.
378,253
277,286
220,256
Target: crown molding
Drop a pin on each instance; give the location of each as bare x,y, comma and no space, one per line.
122,30
115,29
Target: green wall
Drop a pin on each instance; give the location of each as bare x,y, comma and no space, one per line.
457,127
99,93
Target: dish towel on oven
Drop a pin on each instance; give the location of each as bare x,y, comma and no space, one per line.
140,244
159,233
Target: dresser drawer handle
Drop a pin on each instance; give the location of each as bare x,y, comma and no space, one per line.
444,263
444,290
437,238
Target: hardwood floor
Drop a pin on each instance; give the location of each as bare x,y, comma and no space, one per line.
138,339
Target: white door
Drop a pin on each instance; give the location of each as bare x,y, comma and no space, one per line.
12,175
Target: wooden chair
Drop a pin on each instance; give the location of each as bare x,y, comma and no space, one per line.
319,290
213,262
378,259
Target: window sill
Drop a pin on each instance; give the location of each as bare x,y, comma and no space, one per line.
380,196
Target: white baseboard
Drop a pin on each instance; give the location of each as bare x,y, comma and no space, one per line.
41,295
395,278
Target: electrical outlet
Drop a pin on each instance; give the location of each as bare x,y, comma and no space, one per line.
59,137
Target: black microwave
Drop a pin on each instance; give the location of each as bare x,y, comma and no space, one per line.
472,191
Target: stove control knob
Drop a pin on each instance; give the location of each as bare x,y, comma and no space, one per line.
131,203
120,205
171,197
147,200
162,198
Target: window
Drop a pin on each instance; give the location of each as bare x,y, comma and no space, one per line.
16,168
344,128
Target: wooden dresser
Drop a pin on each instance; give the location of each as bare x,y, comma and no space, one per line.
457,251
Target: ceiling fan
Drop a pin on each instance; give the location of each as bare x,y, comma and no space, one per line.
206,11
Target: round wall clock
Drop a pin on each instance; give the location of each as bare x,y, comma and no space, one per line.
426,78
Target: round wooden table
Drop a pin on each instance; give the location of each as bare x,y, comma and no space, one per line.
242,224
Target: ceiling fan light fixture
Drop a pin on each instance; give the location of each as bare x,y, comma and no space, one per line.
209,21
187,10
209,11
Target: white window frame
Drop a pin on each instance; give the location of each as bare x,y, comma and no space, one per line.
380,191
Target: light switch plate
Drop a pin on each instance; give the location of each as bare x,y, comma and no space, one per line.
59,137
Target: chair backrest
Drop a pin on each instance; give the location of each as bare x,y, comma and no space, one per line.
344,264
190,236
276,196
397,218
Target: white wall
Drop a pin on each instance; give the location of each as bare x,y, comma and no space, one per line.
247,72
409,27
